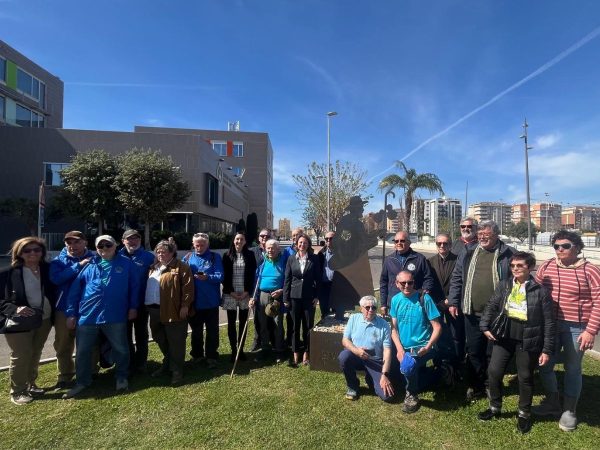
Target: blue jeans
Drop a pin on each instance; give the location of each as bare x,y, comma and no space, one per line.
87,338
566,339
423,376
350,363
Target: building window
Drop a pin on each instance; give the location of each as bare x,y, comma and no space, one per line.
2,108
212,190
2,69
220,148
238,149
30,85
29,118
52,173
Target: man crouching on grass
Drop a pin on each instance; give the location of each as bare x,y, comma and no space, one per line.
367,346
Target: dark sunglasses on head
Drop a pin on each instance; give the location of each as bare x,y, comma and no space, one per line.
33,250
466,226
442,244
102,246
518,266
566,246
406,283
401,241
370,307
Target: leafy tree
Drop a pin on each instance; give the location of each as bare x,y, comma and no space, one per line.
21,208
410,182
149,186
90,182
347,179
251,228
519,230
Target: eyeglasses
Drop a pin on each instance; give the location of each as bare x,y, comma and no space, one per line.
328,239
406,283
370,308
399,241
566,246
466,226
518,266
442,244
32,250
484,236
103,246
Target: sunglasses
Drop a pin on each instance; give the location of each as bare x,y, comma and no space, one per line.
399,241
32,250
328,239
466,226
201,236
103,246
566,246
518,266
370,308
406,283
442,244
263,236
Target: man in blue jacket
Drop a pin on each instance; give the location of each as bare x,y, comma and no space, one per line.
207,268
142,260
103,297
63,270
404,258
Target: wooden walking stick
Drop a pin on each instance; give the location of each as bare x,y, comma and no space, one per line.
243,337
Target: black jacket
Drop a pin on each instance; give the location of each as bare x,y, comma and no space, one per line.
249,272
442,272
15,291
302,285
540,328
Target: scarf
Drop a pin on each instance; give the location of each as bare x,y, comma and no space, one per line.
471,274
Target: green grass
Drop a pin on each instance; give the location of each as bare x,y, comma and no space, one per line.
274,407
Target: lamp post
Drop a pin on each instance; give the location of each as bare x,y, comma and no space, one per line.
527,148
330,114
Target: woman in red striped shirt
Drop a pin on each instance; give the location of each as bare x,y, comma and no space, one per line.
574,285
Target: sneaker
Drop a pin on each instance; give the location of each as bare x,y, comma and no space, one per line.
22,398
211,363
411,403
473,395
176,378
568,421
489,414
36,391
351,394
122,385
524,424
74,391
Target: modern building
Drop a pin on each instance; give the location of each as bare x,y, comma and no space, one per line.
397,224
546,216
442,215
499,212
519,212
284,229
417,217
30,96
585,218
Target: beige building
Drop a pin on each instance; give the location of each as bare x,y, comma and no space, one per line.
581,218
284,229
499,212
546,216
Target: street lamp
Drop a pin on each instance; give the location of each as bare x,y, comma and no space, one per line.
330,114
527,148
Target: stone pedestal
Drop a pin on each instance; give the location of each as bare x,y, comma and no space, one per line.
326,344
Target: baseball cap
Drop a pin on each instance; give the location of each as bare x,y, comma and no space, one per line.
74,235
105,237
131,232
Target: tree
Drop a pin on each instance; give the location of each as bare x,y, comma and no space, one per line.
21,208
519,230
149,186
90,182
410,182
347,179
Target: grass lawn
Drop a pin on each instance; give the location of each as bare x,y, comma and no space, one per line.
268,406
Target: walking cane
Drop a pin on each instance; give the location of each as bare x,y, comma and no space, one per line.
243,337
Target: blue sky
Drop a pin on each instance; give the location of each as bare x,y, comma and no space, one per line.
456,76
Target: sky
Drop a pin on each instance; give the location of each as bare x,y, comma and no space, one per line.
442,85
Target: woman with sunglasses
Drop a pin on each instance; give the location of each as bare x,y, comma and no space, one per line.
28,287
529,335
574,285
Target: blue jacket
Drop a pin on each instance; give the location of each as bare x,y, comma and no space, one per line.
415,263
63,271
208,292
142,260
93,303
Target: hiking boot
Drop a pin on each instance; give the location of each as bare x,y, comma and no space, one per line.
21,398
122,385
489,414
411,403
568,419
36,391
549,406
351,394
74,391
524,424
473,394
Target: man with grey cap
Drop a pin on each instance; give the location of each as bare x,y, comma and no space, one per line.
102,298
142,260
63,270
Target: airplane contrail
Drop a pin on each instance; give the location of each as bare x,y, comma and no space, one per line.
497,97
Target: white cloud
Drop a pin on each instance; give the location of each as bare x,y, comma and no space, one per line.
547,140
577,171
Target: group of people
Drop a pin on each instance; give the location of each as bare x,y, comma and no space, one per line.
103,301
450,308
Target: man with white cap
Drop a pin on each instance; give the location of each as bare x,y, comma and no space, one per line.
103,297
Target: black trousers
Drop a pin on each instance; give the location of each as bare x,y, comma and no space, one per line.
303,315
478,349
232,332
267,323
526,362
138,352
208,318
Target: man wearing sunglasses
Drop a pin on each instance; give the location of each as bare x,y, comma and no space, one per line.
325,255
103,297
477,273
574,285
468,236
367,346
403,258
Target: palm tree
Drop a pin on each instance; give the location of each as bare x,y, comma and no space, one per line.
410,182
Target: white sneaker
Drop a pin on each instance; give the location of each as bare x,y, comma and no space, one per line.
22,398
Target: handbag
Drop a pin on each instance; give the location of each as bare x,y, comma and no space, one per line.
499,326
17,324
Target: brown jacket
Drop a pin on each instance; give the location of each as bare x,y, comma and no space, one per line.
176,290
